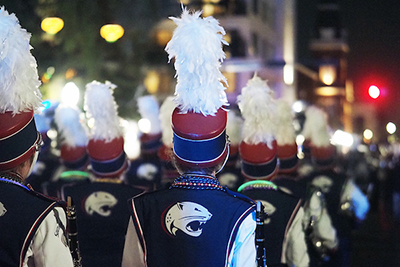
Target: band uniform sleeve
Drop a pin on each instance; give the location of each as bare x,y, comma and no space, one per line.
49,246
133,252
296,249
243,253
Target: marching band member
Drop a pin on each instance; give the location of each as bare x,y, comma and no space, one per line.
285,242
316,221
145,171
74,160
101,213
345,202
33,226
196,221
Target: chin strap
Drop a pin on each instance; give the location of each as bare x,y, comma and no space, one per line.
226,158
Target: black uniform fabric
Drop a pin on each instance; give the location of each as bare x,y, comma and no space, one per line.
21,213
231,176
53,188
188,227
102,220
296,187
281,209
145,172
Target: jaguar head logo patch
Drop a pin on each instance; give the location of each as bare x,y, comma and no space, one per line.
100,203
188,217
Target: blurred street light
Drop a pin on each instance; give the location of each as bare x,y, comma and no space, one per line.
111,32
152,82
299,106
52,25
327,74
342,138
70,94
391,128
368,134
374,91
288,74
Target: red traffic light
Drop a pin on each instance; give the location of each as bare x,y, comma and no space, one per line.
374,91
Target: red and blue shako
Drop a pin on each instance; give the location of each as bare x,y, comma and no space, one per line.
287,156
259,161
107,158
199,140
19,139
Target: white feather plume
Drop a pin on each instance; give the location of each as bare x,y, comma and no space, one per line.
166,110
234,128
316,127
19,80
70,127
101,106
285,133
257,105
149,109
196,45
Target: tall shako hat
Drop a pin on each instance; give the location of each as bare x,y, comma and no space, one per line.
199,121
148,108
285,138
19,94
258,147
73,137
315,131
106,143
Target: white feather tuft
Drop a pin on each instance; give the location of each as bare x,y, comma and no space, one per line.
166,110
285,133
234,128
149,109
316,127
70,127
196,45
258,109
100,105
19,80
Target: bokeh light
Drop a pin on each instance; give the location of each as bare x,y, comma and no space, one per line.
52,25
111,32
70,94
391,128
